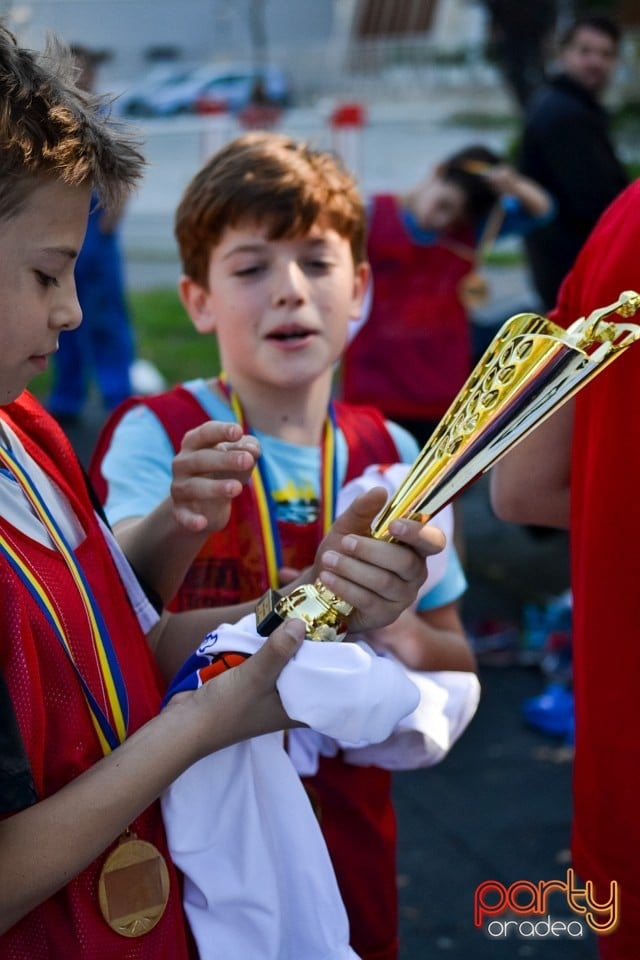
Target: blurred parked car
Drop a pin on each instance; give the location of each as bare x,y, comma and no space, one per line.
189,90
236,88
135,101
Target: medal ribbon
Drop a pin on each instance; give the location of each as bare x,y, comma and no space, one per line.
109,735
265,503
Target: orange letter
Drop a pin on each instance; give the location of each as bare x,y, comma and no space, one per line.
529,887
481,908
609,908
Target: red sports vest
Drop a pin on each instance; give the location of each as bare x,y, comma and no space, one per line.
54,720
414,352
230,567
605,532
356,811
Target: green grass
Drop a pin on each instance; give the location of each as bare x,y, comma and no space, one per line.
165,336
505,258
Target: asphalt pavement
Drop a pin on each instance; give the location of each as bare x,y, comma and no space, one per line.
499,806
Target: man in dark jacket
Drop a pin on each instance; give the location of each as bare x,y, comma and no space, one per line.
566,147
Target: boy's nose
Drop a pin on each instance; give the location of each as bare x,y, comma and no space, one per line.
289,284
66,313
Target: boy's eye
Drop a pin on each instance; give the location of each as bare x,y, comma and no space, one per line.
45,280
317,263
249,270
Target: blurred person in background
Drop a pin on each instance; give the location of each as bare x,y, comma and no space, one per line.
519,35
413,352
103,346
566,147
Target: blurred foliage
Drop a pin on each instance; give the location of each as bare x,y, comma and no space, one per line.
165,336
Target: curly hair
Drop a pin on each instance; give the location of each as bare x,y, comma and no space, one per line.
267,179
50,127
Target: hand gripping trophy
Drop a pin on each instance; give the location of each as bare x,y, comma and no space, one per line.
530,368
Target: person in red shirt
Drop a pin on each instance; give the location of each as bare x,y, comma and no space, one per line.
580,470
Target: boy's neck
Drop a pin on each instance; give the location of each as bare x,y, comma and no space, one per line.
295,415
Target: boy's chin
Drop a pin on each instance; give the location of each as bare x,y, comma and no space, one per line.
9,395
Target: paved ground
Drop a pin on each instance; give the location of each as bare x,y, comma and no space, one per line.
498,808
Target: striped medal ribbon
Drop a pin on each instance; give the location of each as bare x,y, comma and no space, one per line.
265,503
134,884
110,734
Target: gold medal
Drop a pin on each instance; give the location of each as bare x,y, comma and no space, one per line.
133,888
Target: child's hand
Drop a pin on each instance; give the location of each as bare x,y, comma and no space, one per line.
244,701
502,177
289,575
214,461
379,579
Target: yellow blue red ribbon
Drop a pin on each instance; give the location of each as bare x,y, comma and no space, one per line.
109,734
265,503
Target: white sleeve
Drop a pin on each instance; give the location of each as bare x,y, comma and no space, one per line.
145,612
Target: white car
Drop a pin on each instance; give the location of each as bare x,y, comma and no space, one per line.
136,101
235,87
231,86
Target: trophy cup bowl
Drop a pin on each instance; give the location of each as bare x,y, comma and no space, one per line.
530,368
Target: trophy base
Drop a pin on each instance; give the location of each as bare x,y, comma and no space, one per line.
323,613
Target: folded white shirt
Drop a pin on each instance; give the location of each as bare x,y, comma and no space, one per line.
258,881
448,702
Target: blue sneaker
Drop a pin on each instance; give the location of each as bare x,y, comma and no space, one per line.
551,711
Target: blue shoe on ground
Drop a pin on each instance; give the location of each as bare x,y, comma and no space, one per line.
551,712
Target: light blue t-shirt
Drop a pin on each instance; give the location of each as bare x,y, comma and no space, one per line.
137,467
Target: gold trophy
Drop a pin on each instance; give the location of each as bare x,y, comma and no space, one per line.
530,368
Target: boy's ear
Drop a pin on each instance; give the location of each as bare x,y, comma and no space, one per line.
196,301
361,279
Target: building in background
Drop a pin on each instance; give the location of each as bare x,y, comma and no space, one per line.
317,41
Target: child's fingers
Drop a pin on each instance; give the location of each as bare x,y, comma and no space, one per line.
426,539
375,561
216,448
358,516
202,489
278,649
361,583
210,433
199,502
380,578
287,575
213,462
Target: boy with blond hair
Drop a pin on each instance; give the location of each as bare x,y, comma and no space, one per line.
84,659
271,234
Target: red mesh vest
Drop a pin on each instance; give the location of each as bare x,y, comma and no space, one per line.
414,352
230,567
54,720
